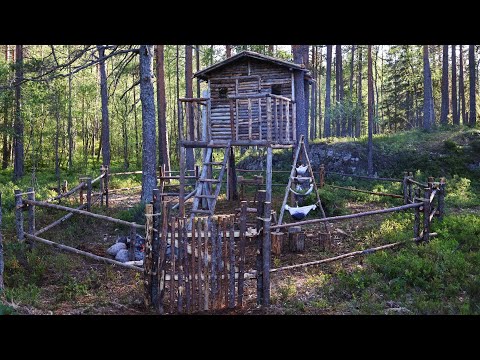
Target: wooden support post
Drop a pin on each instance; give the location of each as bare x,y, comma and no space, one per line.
148,259
182,164
156,248
441,199
172,265
405,187
250,119
133,238
231,262
241,258
269,118
281,132
106,179
80,193
31,212
416,221
259,260
19,216
410,189
296,239
426,214
65,186
275,120
213,268
186,266
266,252
294,121
102,190
89,193
232,120
163,230
322,176
181,282
206,225
277,243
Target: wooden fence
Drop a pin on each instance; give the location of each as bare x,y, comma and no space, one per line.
200,270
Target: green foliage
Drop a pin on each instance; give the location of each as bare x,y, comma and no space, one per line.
460,193
25,294
6,310
72,289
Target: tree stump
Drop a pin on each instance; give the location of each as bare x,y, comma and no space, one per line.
277,243
296,239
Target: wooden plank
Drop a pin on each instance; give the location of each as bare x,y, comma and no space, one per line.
241,259
259,259
19,215
206,276
172,267
31,211
213,270
250,119
269,118
231,249
193,268
225,260
186,267
148,258
181,281
57,222
162,258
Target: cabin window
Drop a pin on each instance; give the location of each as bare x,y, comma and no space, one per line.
222,93
277,89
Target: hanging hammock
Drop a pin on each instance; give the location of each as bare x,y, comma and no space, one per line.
298,213
303,194
302,169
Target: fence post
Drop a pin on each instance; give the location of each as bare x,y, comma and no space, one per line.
156,248
102,171
266,252
416,221
322,175
241,260
410,192
133,238
405,187
80,193
31,212
426,213
441,199
147,262
1,247
259,260
105,184
89,193
19,215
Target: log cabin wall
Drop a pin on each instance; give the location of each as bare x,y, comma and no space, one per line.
247,76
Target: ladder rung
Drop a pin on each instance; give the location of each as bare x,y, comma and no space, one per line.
213,163
206,196
301,178
209,180
202,212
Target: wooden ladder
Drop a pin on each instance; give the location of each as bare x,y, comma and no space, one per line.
300,147
204,182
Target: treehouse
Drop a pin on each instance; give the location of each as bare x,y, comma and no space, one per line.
250,102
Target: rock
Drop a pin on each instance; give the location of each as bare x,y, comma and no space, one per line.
329,153
122,239
115,248
122,256
397,310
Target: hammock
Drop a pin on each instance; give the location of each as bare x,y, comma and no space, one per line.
302,169
298,213
305,193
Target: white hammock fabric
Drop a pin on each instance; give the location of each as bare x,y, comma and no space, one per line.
298,213
303,194
302,169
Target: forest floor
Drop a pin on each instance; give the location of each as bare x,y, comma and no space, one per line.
441,277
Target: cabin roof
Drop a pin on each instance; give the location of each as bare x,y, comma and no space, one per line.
204,74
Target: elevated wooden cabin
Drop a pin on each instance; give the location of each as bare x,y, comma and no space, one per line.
251,102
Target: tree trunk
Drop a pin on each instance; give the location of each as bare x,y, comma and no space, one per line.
350,102
328,95
6,130
370,113
358,124
456,119
105,137
2,264
461,89
341,123
428,111
300,98
271,50
190,158
445,107
57,137
319,91
313,99
471,66
228,49
149,178
18,168
135,124
70,124
163,153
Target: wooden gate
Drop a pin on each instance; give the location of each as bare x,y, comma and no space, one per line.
198,270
